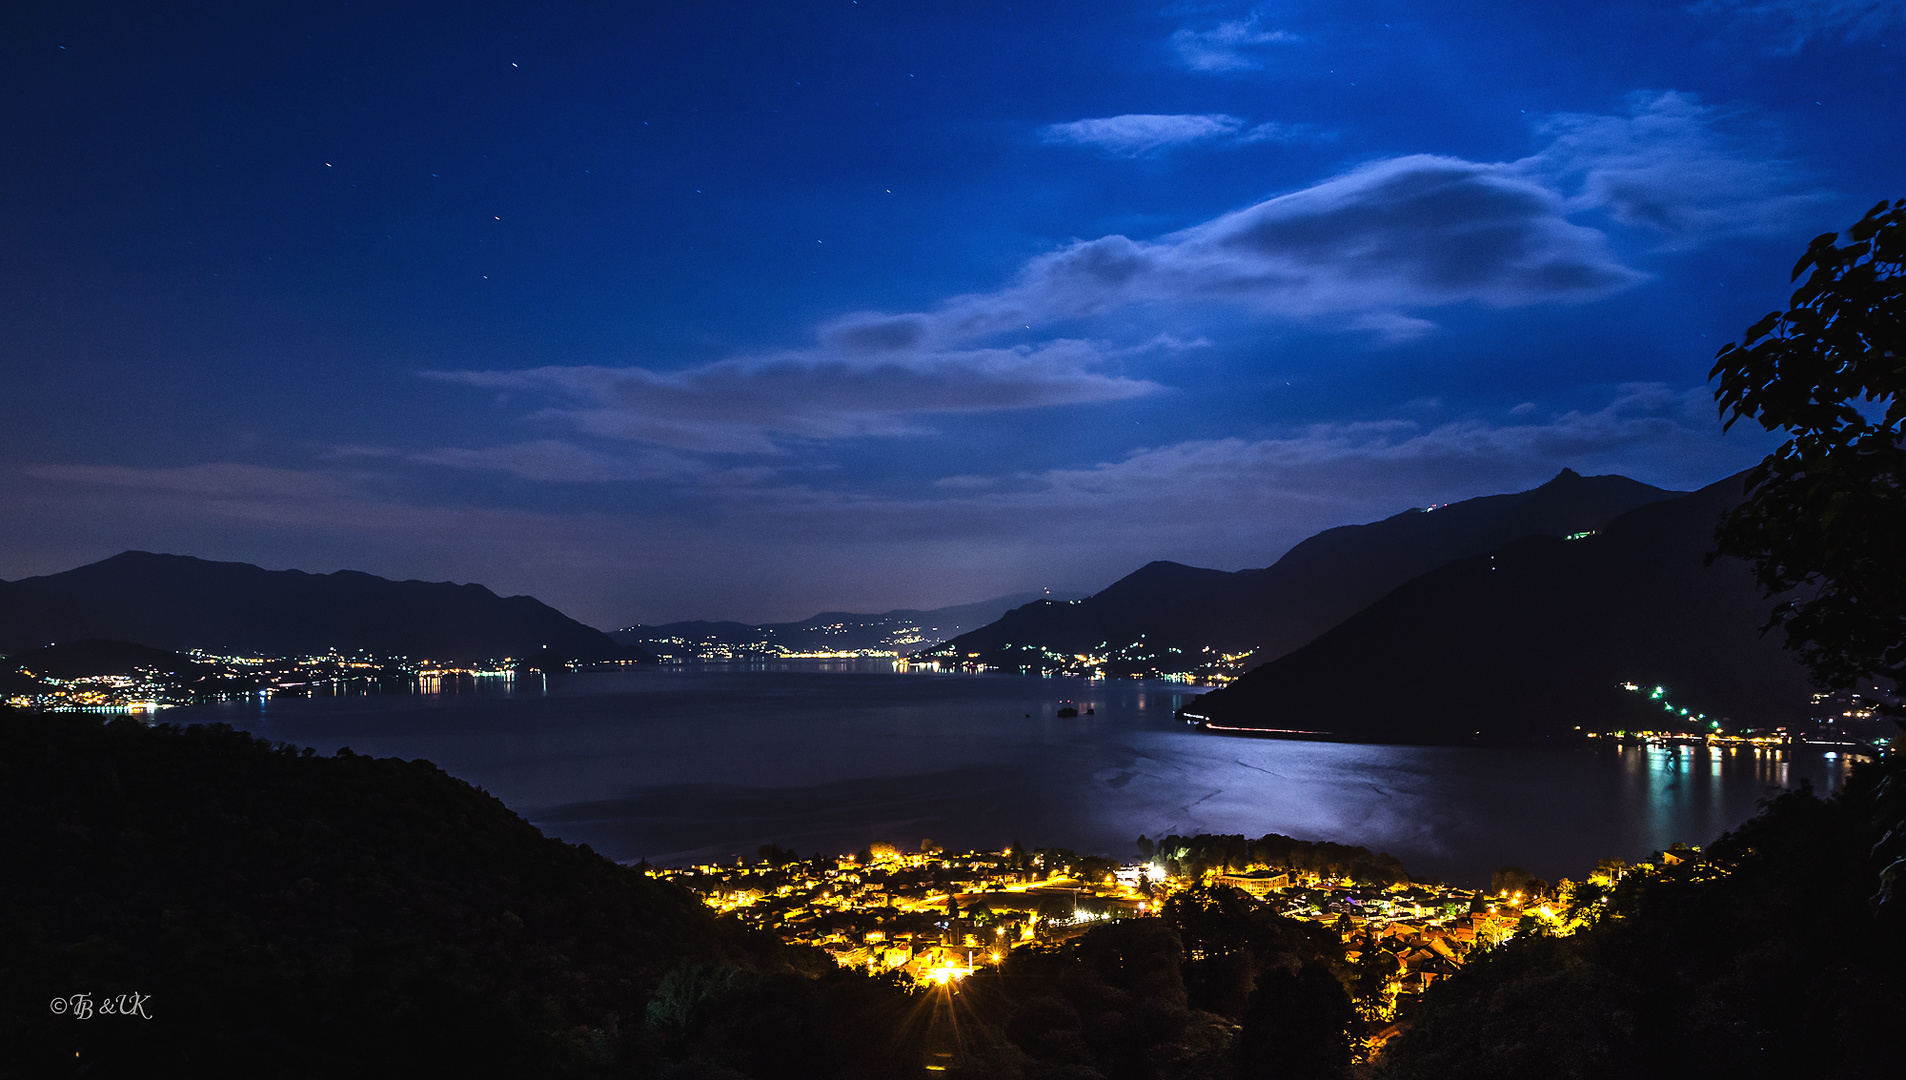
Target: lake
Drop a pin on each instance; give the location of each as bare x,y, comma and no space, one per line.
681,764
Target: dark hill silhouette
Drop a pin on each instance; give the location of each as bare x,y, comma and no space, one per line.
1524,644
1316,585
26,672
288,914
1160,605
90,657
902,630
177,602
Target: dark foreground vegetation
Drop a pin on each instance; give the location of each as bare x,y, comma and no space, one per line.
1779,951
284,914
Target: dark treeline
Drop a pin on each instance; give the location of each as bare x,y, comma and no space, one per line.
1195,855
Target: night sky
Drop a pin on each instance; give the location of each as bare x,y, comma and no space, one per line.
718,310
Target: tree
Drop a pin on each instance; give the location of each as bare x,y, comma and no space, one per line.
1514,879
1825,514
1296,1026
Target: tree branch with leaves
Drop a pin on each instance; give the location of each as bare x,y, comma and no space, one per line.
1824,518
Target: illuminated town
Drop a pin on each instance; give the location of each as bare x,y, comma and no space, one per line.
1208,666
938,917
198,676
1842,720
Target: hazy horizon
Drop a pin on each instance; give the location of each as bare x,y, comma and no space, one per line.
888,610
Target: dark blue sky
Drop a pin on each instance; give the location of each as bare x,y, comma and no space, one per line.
663,311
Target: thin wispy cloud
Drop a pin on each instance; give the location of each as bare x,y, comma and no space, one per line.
1360,467
1393,327
1787,26
1231,46
1673,166
236,483
1139,134
559,461
752,405
1273,132
1316,461
1136,135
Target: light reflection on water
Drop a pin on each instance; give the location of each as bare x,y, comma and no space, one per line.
685,763
1697,789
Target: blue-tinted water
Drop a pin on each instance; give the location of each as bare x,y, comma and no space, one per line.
680,764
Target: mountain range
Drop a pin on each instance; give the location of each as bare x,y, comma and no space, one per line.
1509,618
901,631
177,603
1535,640
1170,618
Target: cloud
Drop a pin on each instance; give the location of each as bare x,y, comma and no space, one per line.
1229,501
1410,232
1236,502
1786,26
1135,135
1273,132
222,492
559,461
1356,463
222,481
1671,166
1139,134
1231,46
1393,327
966,482
873,383
1422,231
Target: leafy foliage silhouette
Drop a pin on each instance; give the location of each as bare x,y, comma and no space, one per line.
1824,513
1759,957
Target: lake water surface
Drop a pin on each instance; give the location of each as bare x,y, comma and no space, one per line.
681,764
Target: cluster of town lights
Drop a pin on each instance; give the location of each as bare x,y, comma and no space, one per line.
939,917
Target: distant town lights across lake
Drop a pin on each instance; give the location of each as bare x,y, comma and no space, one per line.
682,765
